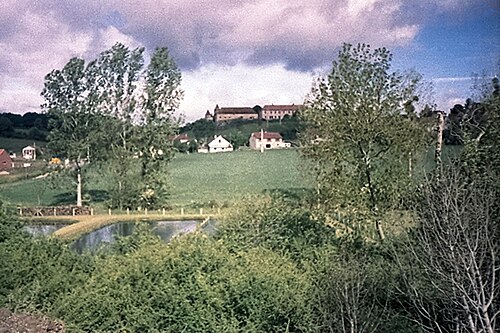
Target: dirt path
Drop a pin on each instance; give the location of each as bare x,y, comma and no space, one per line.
26,323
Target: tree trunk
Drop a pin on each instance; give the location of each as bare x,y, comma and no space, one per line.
79,189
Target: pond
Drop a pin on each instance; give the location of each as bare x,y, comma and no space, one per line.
106,235
166,230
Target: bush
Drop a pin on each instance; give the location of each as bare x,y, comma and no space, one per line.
194,284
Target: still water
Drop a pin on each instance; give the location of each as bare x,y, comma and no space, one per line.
166,230
42,229
106,235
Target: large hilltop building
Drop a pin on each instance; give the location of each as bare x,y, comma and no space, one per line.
271,112
268,112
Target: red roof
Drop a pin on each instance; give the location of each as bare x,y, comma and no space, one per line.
267,135
1,151
182,136
282,107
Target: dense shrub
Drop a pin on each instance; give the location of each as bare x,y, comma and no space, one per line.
194,284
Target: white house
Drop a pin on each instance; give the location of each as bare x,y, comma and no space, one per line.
219,145
29,153
267,140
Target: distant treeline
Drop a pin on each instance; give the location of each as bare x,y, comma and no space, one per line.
31,125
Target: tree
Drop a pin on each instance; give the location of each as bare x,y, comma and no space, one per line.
118,71
72,120
6,127
162,97
361,132
114,109
456,245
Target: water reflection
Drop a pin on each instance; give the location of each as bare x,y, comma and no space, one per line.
166,230
38,230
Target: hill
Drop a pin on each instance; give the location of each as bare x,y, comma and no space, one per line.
238,131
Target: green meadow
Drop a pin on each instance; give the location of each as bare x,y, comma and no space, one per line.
197,180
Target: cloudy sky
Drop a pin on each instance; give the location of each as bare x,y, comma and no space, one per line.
247,52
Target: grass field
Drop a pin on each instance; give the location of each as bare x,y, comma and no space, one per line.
229,176
197,179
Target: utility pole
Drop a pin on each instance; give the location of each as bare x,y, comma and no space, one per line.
439,141
261,140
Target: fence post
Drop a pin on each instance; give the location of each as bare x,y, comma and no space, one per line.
55,211
109,211
182,211
20,211
163,211
201,211
73,211
128,211
146,211
91,211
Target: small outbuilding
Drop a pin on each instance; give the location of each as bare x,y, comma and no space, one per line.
29,153
5,161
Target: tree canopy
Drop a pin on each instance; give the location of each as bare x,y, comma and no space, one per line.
114,108
361,131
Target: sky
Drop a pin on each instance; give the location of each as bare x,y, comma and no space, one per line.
248,52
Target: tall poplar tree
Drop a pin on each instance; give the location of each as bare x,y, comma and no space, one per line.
72,120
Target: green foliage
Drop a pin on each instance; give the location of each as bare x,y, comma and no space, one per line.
114,109
358,291
361,131
194,284
275,224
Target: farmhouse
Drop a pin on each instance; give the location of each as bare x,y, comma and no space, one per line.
29,153
219,145
5,161
182,138
271,112
267,140
233,113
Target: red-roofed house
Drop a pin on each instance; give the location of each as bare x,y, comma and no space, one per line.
267,140
271,112
182,138
5,161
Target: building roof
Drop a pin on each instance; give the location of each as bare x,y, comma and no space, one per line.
1,151
182,136
28,148
273,107
267,135
235,110
219,141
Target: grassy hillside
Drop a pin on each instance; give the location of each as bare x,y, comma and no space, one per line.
197,180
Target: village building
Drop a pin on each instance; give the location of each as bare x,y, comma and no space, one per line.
273,112
29,153
218,145
267,140
182,138
5,162
234,113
